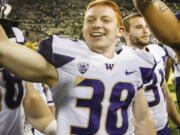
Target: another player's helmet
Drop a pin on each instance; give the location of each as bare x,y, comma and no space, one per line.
5,8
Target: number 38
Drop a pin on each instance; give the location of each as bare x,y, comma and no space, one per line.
117,102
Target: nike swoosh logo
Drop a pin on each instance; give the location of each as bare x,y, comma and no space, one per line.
128,73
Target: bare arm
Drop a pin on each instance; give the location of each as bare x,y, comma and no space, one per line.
171,108
53,110
168,66
36,110
25,63
162,22
143,120
49,98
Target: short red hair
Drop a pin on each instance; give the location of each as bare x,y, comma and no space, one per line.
107,3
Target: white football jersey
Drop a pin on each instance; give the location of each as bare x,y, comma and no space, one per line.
12,92
153,86
19,35
159,52
40,89
11,109
46,95
154,90
47,99
100,91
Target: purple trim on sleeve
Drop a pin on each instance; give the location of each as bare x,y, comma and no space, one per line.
22,43
45,49
58,60
147,73
50,101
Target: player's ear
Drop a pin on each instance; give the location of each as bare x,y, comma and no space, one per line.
124,33
120,32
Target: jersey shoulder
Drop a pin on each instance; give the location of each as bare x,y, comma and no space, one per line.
19,35
171,54
144,61
61,50
158,51
140,56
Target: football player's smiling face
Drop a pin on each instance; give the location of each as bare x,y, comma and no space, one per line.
100,28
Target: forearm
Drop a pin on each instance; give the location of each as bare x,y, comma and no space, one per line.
25,63
18,58
53,110
172,110
147,122
171,107
36,110
143,120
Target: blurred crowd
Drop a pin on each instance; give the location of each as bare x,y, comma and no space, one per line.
40,18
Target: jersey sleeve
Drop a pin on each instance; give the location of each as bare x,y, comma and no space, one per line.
158,51
61,50
171,53
20,39
45,49
147,65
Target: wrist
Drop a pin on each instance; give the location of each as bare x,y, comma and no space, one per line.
51,128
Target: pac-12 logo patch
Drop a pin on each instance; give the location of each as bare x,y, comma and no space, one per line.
83,67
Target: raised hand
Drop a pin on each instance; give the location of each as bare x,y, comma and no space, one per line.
142,4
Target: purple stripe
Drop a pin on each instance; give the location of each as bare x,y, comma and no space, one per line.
177,14
22,43
165,131
50,101
60,60
146,74
45,49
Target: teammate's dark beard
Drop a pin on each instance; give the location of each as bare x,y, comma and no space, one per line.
136,41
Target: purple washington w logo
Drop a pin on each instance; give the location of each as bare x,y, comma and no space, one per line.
109,66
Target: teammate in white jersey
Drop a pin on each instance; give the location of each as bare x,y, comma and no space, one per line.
45,93
162,22
14,95
104,94
137,35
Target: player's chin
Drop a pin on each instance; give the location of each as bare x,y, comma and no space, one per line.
146,42
97,44
98,47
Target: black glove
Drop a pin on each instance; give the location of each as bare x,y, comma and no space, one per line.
7,26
